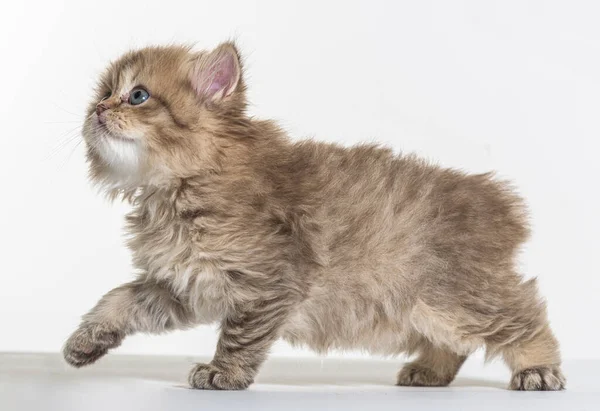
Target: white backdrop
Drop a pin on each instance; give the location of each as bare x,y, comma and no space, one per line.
479,85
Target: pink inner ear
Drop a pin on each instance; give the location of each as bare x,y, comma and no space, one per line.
219,73
223,75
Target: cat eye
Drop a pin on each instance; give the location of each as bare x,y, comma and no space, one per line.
138,95
106,96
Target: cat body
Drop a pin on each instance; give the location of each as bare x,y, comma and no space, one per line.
324,246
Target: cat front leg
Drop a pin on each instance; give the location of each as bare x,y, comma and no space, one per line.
139,306
246,337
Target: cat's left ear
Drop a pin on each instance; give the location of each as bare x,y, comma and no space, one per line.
216,75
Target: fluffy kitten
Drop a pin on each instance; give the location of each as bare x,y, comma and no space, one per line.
324,246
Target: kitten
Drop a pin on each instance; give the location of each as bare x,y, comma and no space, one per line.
324,246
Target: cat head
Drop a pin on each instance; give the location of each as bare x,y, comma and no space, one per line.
162,113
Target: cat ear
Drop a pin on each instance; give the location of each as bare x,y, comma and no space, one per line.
217,74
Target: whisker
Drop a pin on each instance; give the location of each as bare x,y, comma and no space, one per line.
64,163
66,111
61,122
65,139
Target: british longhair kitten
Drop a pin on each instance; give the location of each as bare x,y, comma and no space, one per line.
325,246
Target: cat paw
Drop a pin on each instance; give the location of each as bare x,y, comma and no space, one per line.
415,375
545,378
210,377
90,342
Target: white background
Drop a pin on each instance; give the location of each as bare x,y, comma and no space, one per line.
479,85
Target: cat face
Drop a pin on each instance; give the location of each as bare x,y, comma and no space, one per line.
158,113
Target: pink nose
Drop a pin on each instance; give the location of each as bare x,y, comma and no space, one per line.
101,108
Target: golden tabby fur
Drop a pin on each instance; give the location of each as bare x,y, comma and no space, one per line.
322,245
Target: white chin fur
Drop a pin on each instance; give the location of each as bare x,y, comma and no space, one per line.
122,156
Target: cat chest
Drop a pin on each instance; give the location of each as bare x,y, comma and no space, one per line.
173,254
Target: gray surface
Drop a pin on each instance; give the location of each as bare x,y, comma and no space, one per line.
42,382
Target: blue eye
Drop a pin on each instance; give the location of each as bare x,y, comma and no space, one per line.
138,95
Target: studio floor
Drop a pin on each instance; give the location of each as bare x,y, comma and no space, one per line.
122,382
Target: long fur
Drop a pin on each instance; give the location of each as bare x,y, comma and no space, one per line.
325,246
